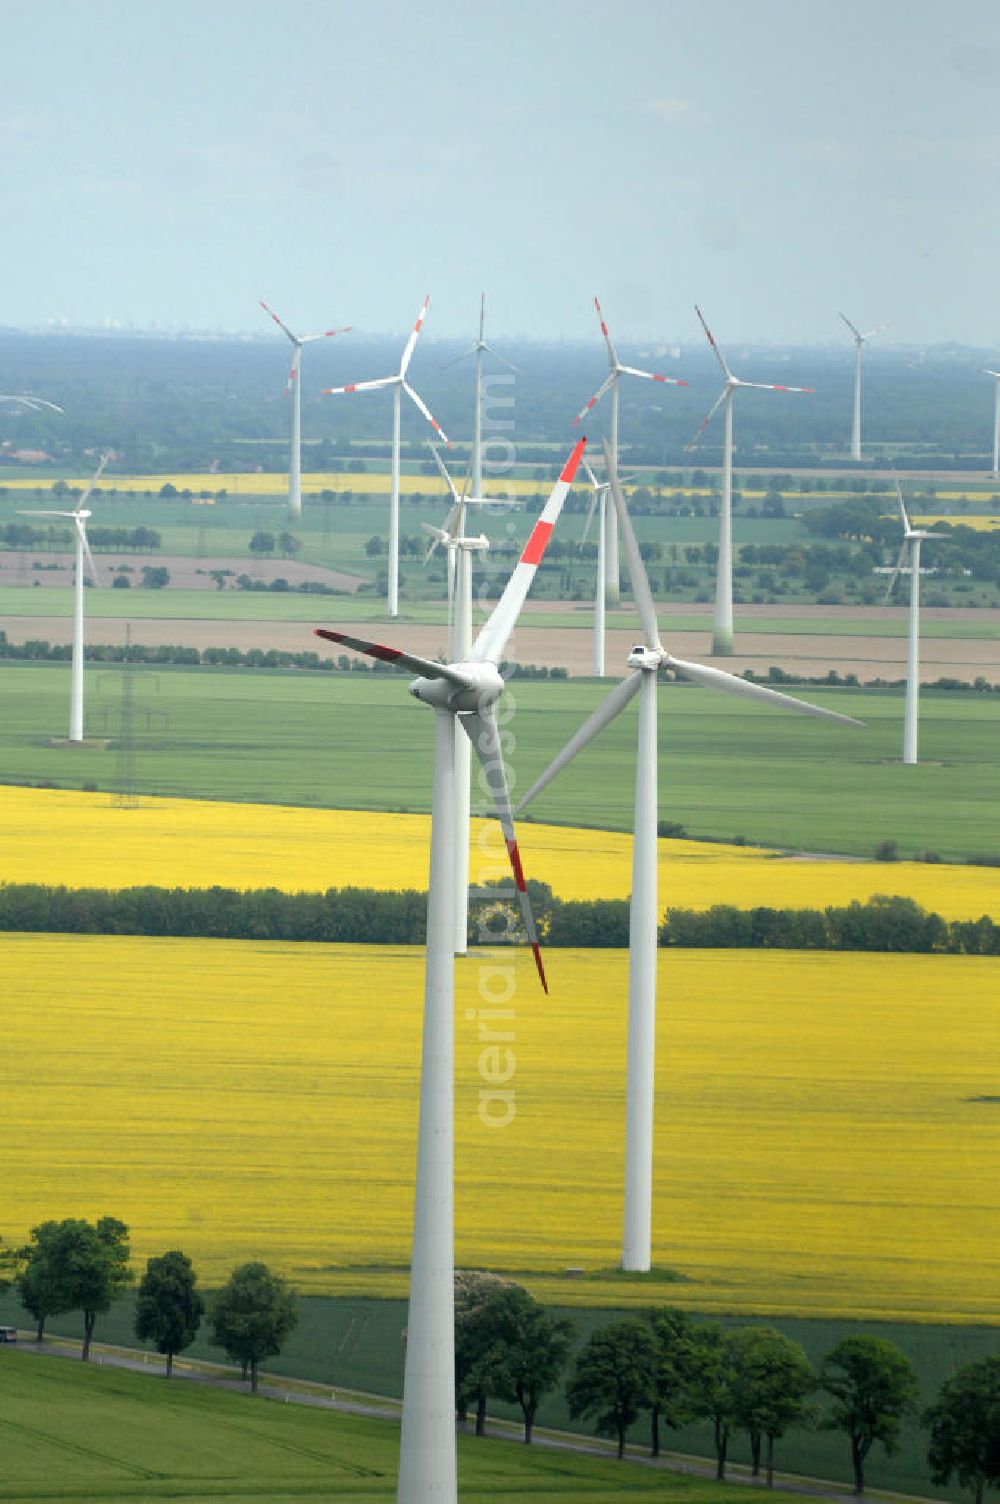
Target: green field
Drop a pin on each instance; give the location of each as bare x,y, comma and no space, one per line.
358,1345
359,741
70,1432
237,605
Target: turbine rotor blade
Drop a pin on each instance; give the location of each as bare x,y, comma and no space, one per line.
85,494
711,340
489,645
595,399
896,572
651,376
283,327
902,508
768,386
717,678
612,356
854,330
441,466
706,420
296,362
361,386
421,405
613,704
502,359
481,728
414,332
86,550
425,667
590,513
641,592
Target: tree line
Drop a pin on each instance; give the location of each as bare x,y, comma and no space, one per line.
748,1379
356,916
24,535
75,1265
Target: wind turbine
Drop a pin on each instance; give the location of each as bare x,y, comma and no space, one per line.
460,549
467,692
79,517
859,341
33,404
598,501
722,628
294,385
399,384
996,422
615,372
646,659
912,539
479,349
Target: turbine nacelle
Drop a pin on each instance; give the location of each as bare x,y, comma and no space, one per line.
483,688
650,659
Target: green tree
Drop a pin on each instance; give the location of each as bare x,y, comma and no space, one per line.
672,1334
74,1265
155,577
711,1378
169,1306
288,545
873,1386
613,1378
772,1381
530,1350
964,1426
262,543
474,1359
252,1315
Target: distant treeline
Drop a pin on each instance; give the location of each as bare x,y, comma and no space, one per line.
38,649
365,916
101,539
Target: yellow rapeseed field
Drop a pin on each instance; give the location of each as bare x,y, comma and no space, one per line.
61,836
828,1130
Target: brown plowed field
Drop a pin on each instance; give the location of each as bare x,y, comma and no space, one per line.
186,573
868,657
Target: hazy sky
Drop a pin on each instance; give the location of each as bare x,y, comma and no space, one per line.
172,161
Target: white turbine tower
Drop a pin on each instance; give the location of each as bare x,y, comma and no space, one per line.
722,628
459,548
995,472
466,692
479,349
598,502
912,539
616,371
294,385
859,342
399,384
78,516
647,659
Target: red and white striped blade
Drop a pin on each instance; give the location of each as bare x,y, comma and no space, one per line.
711,340
770,386
425,667
612,357
651,376
481,728
361,386
419,403
605,386
489,645
308,339
706,420
283,327
408,349
296,362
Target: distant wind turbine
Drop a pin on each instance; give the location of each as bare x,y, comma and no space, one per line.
912,539
399,384
599,502
78,516
995,472
33,404
722,630
479,349
610,384
859,342
647,659
294,385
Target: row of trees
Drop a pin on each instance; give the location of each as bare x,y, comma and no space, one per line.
750,1379
74,1265
368,916
24,535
